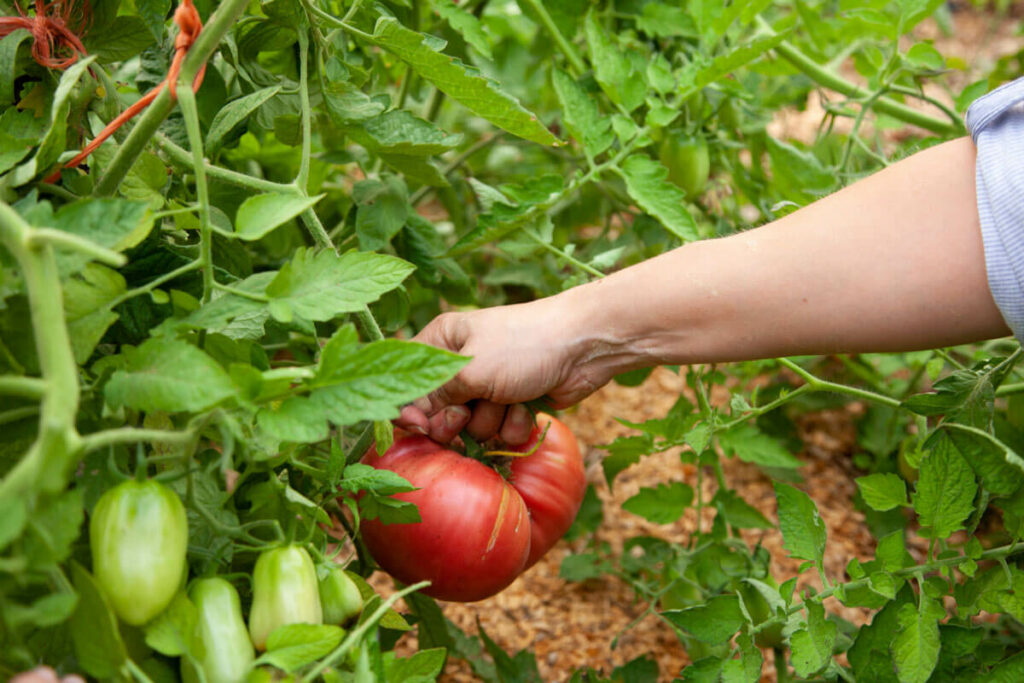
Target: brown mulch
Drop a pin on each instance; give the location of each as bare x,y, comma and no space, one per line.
572,625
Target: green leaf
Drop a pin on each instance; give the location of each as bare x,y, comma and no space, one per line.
750,444
261,213
803,531
623,452
581,116
53,527
171,632
519,669
8,62
1000,470
916,647
170,375
116,224
812,646
466,24
400,132
454,79
13,516
883,491
647,183
292,646
944,496
94,633
360,477
613,70
372,382
714,622
237,317
87,299
154,14
582,566
381,209
663,504
295,419
801,170
738,512
319,285
423,667
123,39
697,75
870,656
233,114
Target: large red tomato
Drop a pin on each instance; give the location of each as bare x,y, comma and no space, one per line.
474,537
478,531
551,482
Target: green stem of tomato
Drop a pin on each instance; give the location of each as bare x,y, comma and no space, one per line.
302,179
565,46
48,461
355,634
25,387
187,100
216,28
826,77
182,159
781,670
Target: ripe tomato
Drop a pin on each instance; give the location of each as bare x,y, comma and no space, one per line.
474,535
687,161
551,482
139,537
478,531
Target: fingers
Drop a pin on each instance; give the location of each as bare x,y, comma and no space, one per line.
413,419
518,425
447,423
486,420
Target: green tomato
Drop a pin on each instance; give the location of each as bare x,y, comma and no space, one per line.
139,537
339,596
220,642
284,591
687,161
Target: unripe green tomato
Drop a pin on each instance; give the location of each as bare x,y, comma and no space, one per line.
220,641
139,538
340,598
687,160
284,591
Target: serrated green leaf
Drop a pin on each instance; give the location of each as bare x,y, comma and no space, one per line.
453,78
581,116
381,210
1000,470
422,667
261,213
613,70
319,285
623,452
883,491
916,647
714,622
662,504
466,24
295,419
738,512
750,444
944,496
292,646
372,382
647,183
116,224
170,375
812,646
402,133
171,631
360,477
8,56
803,531
87,299
233,114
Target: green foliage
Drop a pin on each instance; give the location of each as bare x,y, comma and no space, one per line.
207,301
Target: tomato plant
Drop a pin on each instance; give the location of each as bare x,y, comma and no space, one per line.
138,535
340,598
220,642
687,160
218,298
284,591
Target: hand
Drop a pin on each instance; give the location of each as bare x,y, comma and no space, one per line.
520,353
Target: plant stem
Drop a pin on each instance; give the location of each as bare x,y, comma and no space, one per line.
156,282
130,435
181,158
824,385
302,179
565,46
355,634
317,230
187,99
26,387
47,463
219,23
826,77
781,670
60,238
561,254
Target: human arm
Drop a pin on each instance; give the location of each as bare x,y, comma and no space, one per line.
893,262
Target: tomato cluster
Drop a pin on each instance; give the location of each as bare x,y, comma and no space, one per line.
139,536
478,530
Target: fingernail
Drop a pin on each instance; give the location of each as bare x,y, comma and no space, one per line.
417,430
456,416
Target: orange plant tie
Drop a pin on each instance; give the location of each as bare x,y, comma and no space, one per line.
189,26
55,44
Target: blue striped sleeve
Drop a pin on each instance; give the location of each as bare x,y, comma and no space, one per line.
996,122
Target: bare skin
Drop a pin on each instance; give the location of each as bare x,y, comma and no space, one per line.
891,263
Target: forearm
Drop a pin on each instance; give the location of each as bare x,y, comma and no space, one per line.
893,262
